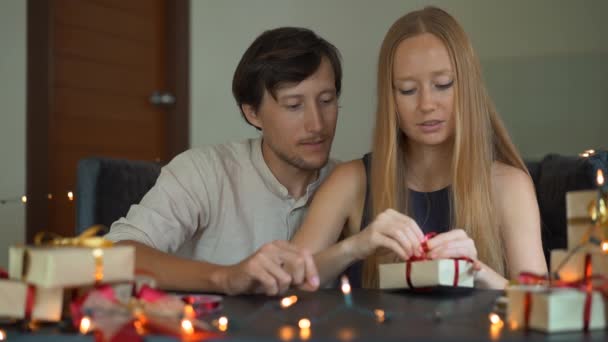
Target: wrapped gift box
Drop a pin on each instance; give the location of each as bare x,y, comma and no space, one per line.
427,273
574,268
47,304
553,310
61,267
579,219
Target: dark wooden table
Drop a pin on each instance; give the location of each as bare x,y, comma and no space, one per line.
435,316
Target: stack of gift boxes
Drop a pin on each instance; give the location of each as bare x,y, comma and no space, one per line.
40,276
573,297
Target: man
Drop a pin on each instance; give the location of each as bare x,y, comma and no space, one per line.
218,217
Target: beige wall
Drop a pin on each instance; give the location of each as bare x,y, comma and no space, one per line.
12,122
542,60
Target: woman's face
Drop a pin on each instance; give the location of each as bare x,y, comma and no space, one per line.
423,89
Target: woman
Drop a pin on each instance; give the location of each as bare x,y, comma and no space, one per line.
441,162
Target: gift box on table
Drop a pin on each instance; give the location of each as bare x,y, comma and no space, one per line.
579,206
65,267
45,304
555,309
426,273
573,268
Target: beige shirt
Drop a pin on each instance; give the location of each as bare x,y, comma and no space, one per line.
217,203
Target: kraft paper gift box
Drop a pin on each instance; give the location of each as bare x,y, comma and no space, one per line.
553,310
426,273
574,268
64,267
47,304
579,218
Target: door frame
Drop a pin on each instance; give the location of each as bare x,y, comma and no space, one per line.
38,101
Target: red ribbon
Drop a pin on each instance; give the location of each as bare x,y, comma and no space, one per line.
425,248
585,284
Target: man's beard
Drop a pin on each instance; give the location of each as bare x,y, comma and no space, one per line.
298,162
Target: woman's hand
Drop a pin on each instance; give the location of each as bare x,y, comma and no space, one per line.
453,244
390,230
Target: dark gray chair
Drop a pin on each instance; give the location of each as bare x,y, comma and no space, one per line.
106,188
553,177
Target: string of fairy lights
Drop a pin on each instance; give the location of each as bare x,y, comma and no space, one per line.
289,328
303,325
24,199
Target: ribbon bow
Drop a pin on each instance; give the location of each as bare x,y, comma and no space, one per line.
425,248
88,238
150,310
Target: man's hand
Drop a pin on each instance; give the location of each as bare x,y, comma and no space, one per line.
272,269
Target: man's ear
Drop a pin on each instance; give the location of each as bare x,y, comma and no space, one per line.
251,116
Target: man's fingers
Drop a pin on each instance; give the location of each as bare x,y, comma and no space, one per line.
294,263
281,278
267,283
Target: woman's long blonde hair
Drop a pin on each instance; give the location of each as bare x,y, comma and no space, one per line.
480,138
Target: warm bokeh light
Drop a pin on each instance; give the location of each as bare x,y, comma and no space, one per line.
85,325
379,315
494,318
600,177
24,199
187,327
304,323
287,333
49,196
139,327
346,334
189,311
288,301
304,334
71,196
222,323
605,246
345,285
2,335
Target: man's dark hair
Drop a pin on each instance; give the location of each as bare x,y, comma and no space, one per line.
282,55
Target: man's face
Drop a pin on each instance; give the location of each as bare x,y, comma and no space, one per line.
298,127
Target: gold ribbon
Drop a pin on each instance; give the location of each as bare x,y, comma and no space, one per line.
597,219
87,239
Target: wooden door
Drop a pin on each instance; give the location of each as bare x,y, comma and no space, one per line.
105,59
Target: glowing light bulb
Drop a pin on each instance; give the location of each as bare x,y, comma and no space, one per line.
85,325
288,301
495,319
304,323
187,326
345,285
222,323
380,316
